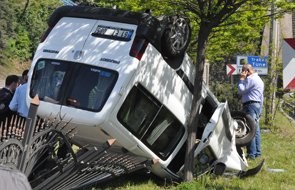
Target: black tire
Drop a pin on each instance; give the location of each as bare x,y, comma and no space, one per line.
176,38
246,128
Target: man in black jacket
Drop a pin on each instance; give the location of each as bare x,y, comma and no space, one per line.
6,94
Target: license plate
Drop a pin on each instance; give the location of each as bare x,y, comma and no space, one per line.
113,33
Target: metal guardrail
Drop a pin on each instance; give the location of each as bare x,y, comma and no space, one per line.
36,147
289,109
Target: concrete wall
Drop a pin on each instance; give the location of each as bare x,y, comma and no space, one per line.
282,28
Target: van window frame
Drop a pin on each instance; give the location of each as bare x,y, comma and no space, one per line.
164,126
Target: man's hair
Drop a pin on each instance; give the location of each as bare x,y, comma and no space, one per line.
249,66
10,79
25,73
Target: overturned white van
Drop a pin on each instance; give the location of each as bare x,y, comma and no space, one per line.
125,75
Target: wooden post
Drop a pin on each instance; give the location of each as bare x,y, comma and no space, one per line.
29,131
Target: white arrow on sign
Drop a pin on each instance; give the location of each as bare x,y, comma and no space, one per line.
231,69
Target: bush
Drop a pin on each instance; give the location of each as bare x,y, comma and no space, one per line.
228,92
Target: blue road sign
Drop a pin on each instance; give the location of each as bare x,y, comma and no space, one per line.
255,61
259,63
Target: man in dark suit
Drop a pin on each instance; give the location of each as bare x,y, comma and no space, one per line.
6,94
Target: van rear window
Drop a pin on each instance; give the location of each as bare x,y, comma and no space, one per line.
72,84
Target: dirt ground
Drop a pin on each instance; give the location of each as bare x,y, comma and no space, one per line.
2,83
14,68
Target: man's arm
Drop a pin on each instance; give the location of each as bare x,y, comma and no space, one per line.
4,102
14,102
244,86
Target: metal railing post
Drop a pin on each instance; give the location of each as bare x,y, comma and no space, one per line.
29,132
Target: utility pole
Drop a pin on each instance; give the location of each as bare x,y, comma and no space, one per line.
269,61
272,78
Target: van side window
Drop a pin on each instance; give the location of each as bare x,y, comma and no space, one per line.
91,88
150,122
47,80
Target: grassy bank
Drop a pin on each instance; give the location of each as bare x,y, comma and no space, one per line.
14,68
278,151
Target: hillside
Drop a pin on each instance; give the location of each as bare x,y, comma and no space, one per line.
22,24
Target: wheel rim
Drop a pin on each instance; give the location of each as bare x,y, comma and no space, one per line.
243,128
180,33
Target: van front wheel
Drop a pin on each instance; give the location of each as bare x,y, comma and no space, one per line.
246,130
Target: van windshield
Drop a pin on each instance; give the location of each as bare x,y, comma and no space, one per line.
76,85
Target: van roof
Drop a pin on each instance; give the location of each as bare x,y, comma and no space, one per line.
149,27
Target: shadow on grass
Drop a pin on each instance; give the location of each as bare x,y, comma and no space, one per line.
142,180
138,179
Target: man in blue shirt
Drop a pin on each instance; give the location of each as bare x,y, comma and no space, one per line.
252,91
18,102
24,77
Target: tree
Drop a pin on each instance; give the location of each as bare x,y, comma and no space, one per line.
211,14
275,65
7,24
208,17
33,16
22,24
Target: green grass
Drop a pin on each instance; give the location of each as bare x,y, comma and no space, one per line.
278,150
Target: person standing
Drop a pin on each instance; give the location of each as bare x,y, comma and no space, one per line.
251,87
6,94
18,102
24,77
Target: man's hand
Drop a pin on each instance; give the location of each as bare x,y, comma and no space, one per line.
243,75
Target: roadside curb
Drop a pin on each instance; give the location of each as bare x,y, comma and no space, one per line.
282,102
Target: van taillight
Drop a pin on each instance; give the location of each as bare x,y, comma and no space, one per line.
46,33
138,48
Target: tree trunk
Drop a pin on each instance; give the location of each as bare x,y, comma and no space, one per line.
194,114
24,11
270,87
270,103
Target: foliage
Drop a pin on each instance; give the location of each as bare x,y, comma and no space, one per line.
289,103
242,38
7,24
19,47
27,23
34,20
156,7
275,68
227,92
98,3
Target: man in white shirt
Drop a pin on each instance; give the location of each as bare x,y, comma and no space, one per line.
251,87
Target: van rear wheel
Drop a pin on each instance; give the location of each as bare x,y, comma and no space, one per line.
246,130
176,38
